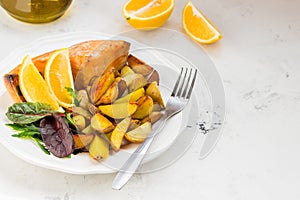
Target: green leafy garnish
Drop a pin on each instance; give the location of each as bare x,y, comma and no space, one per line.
29,131
70,121
27,112
74,95
69,156
26,134
42,146
25,130
24,127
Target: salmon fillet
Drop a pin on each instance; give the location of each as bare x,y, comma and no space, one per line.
88,59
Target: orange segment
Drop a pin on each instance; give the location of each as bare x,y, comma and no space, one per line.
32,85
58,75
147,14
198,26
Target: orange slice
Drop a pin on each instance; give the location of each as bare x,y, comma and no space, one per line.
147,14
58,75
198,26
32,85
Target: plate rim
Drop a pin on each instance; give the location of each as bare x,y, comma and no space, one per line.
28,47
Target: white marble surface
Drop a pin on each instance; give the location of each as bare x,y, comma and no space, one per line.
258,154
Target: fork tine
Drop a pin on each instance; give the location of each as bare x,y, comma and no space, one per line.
187,83
192,85
179,92
177,83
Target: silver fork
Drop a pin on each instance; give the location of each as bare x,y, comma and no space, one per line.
178,100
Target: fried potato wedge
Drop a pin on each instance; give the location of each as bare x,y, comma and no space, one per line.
111,94
139,66
132,97
81,111
100,85
139,82
152,117
140,133
79,121
99,148
154,77
92,109
145,106
118,133
83,99
126,70
88,130
82,141
101,123
156,107
118,110
122,86
134,124
115,90
130,78
154,92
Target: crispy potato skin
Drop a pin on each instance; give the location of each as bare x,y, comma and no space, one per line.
100,85
118,133
82,141
154,92
119,110
140,133
101,124
139,66
145,106
99,148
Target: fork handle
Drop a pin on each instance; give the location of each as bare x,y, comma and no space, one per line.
134,161
131,165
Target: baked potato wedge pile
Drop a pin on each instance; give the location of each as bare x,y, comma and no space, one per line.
117,108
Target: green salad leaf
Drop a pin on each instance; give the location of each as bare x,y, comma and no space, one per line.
29,131
24,127
27,112
42,146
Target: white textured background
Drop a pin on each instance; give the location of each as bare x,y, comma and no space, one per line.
258,156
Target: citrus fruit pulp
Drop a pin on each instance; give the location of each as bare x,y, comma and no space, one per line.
58,75
198,26
32,85
147,14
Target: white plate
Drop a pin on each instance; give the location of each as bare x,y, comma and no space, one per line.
81,163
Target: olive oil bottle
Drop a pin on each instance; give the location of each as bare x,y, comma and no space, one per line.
36,11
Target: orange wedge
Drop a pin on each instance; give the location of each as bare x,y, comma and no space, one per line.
32,85
198,26
58,75
147,14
